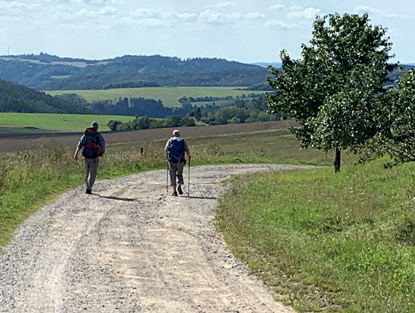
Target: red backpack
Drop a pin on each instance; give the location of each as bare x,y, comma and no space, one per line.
91,149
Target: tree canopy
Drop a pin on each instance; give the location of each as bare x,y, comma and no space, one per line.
334,91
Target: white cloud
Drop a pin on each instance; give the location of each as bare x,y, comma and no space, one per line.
102,12
105,11
17,5
279,25
105,2
222,5
216,18
277,7
147,22
108,10
254,16
308,13
382,13
146,13
296,8
186,17
150,16
89,2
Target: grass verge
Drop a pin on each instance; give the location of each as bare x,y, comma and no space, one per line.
328,242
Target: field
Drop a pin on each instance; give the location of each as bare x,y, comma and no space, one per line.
33,141
168,95
55,122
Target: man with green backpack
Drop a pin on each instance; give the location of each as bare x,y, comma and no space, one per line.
176,148
92,144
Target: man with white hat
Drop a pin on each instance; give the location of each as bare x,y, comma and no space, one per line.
175,149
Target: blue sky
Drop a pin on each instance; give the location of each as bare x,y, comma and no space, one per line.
240,30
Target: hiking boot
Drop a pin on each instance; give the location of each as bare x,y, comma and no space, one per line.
179,189
174,193
88,191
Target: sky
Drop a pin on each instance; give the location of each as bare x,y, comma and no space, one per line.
239,30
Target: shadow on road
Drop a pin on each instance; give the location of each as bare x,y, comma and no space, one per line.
116,198
204,198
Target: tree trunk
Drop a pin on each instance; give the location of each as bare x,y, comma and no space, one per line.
337,161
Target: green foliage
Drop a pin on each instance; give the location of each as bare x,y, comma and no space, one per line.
396,125
324,242
334,90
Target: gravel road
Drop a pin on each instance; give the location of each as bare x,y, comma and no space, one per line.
131,247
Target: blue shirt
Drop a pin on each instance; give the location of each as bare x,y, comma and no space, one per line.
101,142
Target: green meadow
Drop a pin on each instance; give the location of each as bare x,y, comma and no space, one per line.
168,95
56,122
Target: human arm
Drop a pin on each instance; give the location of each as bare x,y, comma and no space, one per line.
101,143
166,147
78,148
75,156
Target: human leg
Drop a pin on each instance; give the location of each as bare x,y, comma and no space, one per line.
173,171
180,167
91,169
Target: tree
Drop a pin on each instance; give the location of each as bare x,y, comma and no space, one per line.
113,125
335,89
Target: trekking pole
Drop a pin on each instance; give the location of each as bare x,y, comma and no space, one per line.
188,181
167,178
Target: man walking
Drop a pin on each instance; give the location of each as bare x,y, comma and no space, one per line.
92,144
175,149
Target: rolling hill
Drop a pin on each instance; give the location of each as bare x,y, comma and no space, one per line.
48,72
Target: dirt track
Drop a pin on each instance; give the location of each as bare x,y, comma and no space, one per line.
129,247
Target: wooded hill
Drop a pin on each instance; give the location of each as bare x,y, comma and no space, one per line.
16,98
47,72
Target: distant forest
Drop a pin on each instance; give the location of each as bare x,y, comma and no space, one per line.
16,98
48,72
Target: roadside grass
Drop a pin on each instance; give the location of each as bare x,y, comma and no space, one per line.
326,242
57,122
168,95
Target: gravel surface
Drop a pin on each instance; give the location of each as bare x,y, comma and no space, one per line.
131,247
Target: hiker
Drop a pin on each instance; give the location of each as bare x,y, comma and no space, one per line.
175,149
93,145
